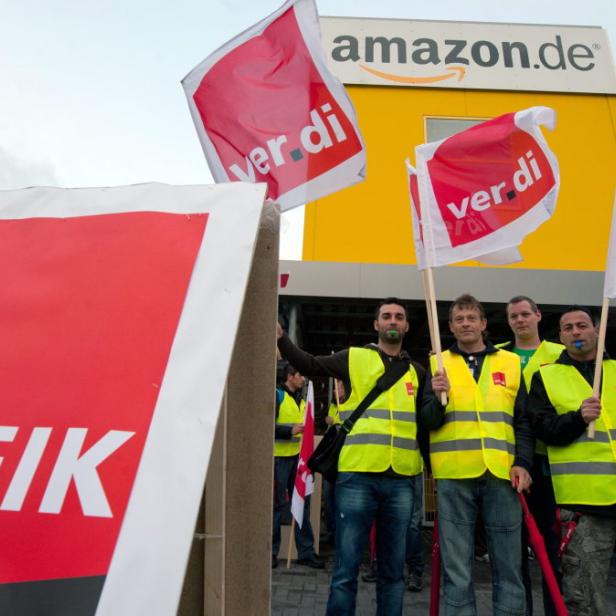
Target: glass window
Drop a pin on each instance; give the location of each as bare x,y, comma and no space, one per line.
441,128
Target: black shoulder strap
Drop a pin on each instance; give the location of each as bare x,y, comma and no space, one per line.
393,373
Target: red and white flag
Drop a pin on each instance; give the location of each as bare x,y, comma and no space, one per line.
304,480
267,109
609,284
484,189
416,216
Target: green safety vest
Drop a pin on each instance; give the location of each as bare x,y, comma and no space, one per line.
546,353
385,436
289,414
477,434
583,472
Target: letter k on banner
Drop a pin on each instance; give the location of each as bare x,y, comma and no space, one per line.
267,109
109,304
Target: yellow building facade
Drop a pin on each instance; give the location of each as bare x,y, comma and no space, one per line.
371,223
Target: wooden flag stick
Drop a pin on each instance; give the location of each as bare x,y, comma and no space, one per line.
596,386
424,279
291,541
437,333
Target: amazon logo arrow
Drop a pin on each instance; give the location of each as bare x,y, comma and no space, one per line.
452,71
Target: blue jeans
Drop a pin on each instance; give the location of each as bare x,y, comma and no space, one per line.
414,542
284,480
360,499
460,501
329,508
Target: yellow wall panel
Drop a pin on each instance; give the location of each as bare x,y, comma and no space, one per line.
371,223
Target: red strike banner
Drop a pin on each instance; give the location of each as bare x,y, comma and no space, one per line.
89,307
267,109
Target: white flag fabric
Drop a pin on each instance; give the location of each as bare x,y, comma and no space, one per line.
304,480
609,284
484,189
267,109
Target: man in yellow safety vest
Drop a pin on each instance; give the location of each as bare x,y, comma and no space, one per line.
524,316
561,405
289,426
378,461
481,446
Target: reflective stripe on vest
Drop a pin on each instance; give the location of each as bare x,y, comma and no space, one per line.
477,434
583,472
472,444
385,436
289,415
484,416
381,414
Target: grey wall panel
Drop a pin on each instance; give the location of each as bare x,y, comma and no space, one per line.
323,279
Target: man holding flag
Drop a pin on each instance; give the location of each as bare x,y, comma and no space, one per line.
379,458
481,446
290,415
562,405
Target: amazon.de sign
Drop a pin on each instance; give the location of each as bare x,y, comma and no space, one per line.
469,55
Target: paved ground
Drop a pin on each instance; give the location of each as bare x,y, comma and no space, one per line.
302,591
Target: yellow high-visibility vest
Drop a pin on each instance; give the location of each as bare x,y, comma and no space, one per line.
583,472
333,412
478,431
546,353
289,414
385,436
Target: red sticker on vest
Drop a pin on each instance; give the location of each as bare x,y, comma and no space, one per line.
409,388
498,378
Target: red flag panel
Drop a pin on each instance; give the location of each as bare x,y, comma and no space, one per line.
89,307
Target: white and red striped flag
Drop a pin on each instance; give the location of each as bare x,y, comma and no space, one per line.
304,481
483,190
267,109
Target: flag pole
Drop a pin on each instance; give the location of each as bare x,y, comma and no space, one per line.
596,387
608,292
437,335
424,279
291,540
337,397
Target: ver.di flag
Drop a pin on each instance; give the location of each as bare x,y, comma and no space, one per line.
267,109
304,481
484,189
